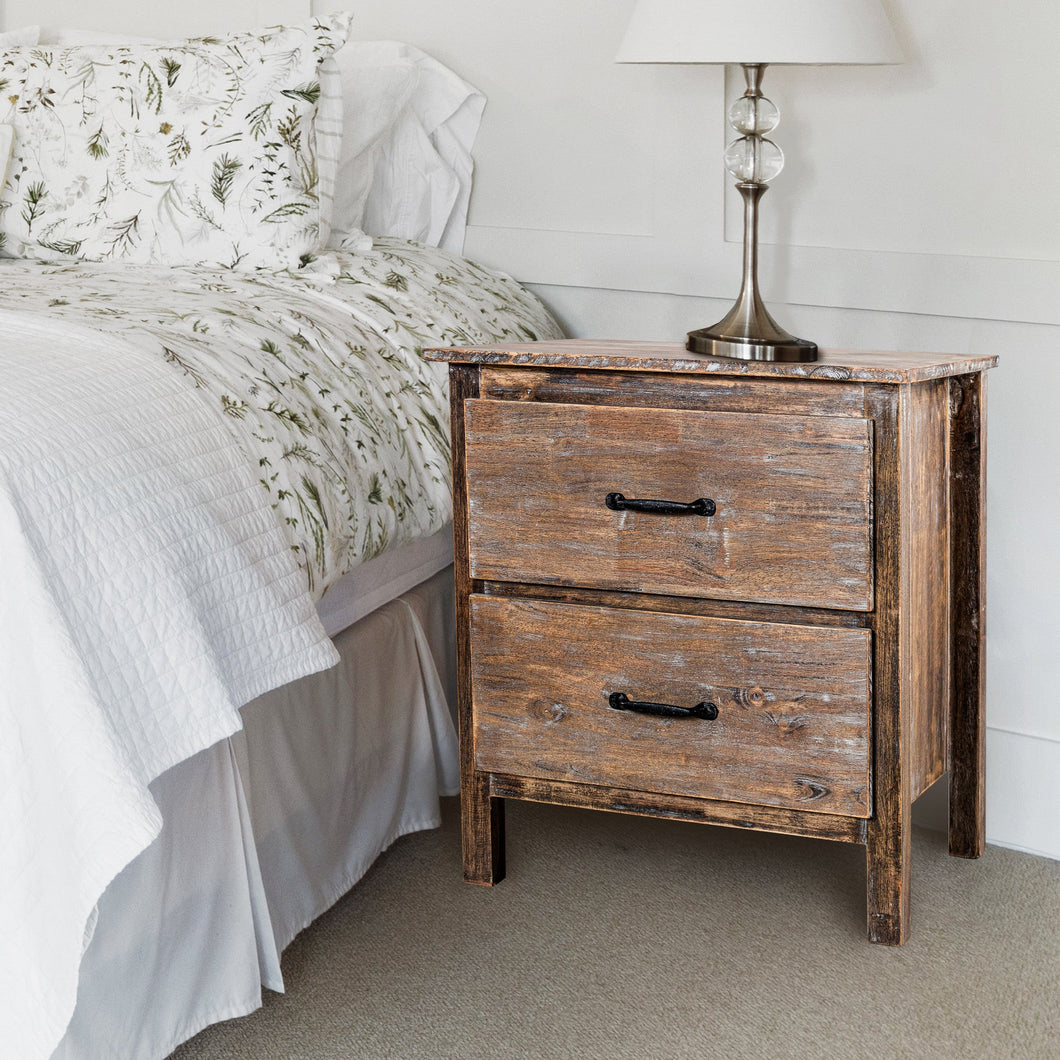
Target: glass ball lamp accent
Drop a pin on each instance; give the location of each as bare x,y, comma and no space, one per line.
754,159
754,115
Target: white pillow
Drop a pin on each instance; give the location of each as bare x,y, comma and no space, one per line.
200,151
408,127
17,38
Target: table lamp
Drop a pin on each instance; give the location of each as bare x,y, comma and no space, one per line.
755,33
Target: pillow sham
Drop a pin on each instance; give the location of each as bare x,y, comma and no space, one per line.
203,151
408,128
16,38
329,123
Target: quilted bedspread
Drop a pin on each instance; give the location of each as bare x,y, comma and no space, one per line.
187,458
319,374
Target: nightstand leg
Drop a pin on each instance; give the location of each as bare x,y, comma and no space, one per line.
481,817
967,751
482,823
887,839
888,857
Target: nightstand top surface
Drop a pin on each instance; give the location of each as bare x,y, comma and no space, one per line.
875,366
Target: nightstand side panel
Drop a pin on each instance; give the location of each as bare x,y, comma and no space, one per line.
925,589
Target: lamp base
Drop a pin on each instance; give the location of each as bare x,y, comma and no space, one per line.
710,343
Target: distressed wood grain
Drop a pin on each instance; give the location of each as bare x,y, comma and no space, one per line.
967,485
792,493
701,811
482,817
873,366
808,397
925,582
911,622
682,605
888,842
792,702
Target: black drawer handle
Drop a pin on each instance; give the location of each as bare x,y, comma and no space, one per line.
705,711
619,503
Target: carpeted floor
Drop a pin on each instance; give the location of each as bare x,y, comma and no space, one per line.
618,937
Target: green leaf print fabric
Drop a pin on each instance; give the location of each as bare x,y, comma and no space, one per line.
199,151
319,373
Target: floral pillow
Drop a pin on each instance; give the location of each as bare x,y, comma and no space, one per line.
194,152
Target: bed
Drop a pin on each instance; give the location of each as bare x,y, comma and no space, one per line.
225,626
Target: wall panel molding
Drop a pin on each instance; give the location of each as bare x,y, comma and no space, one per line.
925,284
923,188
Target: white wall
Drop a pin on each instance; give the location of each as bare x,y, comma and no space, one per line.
917,210
151,18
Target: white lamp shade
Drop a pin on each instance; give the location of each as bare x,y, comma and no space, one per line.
759,31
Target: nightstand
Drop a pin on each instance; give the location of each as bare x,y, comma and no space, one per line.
742,593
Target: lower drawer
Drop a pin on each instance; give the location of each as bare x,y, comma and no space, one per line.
792,703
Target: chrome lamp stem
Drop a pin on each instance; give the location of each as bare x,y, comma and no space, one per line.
748,332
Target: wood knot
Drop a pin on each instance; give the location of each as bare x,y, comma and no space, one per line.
548,712
830,371
810,790
755,697
789,723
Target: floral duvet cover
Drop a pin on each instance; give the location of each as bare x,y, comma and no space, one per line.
318,372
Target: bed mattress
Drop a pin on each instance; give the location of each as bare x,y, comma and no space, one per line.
371,585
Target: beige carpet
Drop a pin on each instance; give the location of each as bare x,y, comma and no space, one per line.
618,937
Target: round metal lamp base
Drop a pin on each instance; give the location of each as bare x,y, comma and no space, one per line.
708,343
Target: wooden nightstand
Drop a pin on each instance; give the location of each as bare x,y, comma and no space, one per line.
742,593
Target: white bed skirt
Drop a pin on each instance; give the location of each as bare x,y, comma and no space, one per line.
264,831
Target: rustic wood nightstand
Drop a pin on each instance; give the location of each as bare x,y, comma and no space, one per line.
742,593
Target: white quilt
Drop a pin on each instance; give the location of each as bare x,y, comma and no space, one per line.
187,458
147,592
318,372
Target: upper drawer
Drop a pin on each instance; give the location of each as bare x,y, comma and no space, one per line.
792,494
